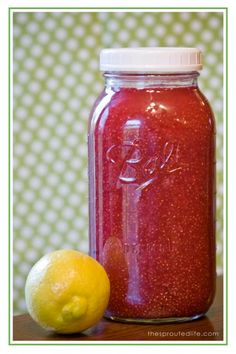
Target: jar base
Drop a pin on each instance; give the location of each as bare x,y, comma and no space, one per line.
154,320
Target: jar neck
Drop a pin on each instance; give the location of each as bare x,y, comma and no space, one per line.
117,80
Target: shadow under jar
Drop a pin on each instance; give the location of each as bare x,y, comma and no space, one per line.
152,185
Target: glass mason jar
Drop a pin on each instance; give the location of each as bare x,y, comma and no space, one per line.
152,185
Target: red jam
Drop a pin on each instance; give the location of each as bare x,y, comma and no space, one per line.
152,195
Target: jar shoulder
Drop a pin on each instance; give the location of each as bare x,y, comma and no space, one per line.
182,106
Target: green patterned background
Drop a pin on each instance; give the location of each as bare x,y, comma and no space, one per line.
56,80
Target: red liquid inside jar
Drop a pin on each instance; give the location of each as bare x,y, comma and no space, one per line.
152,199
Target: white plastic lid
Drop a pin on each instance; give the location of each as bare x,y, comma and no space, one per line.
151,60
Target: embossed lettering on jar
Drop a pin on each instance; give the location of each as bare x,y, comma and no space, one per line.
152,185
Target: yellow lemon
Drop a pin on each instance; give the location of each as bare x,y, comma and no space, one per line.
67,291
